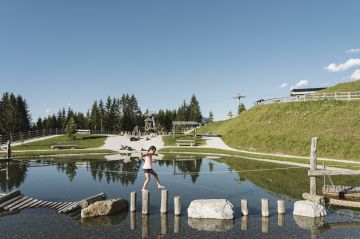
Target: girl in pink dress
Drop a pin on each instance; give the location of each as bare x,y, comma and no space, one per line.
148,168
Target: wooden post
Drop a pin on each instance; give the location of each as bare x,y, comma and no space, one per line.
177,206
281,206
164,201
8,149
177,224
244,223
132,201
244,207
265,207
313,159
145,202
132,221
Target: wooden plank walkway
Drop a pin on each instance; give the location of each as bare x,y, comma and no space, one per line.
341,191
17,201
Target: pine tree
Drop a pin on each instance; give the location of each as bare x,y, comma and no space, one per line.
71,128
94,117
241,108
211,117
194,110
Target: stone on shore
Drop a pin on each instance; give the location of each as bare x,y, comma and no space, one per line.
309,209
211,208
104,208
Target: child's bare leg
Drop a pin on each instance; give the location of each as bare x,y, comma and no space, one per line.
146,181
157,180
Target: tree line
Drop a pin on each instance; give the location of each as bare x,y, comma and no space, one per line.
113,114
14,114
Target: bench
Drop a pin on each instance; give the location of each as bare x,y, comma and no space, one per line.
83,131
64,145
183,142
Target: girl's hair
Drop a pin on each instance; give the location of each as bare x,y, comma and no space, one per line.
153,148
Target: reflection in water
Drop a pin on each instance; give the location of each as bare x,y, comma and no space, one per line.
265,225
12,175
211,225
281,219
244,223
164,224
144,226
309,223
7,213
133,221
103,221
177,224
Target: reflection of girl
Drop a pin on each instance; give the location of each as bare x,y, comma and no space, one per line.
148,168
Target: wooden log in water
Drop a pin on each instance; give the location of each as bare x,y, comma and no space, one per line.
71,208
29,204
7,207
42,204
344,203
2,205
90,200
64,210
10,195
65,205
20,204
314,198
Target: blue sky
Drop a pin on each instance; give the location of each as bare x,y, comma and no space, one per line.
71,52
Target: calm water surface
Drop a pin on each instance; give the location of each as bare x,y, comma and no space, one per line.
191,177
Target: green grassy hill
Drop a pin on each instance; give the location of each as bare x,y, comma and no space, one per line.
343,87
288,128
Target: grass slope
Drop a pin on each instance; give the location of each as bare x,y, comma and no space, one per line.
343,87
82,141
288,128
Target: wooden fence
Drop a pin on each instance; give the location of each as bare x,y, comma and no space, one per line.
314,97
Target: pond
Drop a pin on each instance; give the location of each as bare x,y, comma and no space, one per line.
189,176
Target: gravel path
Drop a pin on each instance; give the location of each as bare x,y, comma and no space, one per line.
115,142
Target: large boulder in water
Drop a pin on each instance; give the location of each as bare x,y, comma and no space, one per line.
104,208
211,208
309,209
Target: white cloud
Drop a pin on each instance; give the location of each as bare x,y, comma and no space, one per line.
48,110
69,104
301,83
353,50
344,66
355,75
283,85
